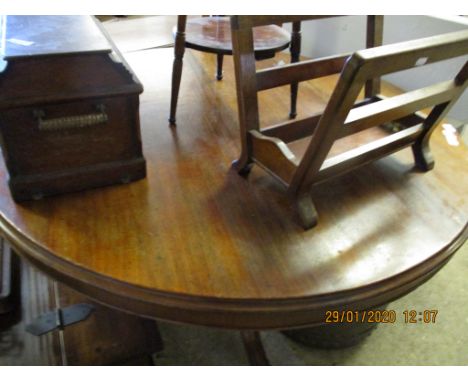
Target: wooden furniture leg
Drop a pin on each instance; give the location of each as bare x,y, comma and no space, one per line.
9,286
335,335
219,68
374,37
423,158
306,210
107,337
295,50
254,348
179,51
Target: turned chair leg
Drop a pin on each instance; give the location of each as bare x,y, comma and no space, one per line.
219,68
294,90
179,50
295,50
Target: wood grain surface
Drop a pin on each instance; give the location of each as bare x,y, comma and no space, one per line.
195,242
24,36
213,34
69,118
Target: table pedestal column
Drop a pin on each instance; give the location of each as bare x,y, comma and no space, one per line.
334,335
9,286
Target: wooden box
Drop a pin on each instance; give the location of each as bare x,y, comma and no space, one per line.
69,105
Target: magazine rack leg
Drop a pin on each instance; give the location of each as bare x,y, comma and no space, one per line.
306,210
344,116
423,158
242,166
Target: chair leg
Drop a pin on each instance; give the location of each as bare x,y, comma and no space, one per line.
295,50
307,211
179,50
219,68
294,90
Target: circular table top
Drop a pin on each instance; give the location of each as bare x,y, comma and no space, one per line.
195,242
213,34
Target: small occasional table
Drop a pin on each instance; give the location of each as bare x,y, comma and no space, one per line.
213,35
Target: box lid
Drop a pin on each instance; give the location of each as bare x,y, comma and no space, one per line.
26,36
48,59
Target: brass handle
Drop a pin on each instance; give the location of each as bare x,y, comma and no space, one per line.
73,122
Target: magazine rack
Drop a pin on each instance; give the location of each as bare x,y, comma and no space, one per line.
343,116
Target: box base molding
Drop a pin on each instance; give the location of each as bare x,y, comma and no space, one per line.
28,187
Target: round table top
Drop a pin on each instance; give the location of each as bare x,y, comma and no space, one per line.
213,34
195,242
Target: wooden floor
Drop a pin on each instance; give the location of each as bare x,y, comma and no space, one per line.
154,32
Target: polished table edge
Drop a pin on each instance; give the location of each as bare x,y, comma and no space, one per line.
267,51
230,313
228,52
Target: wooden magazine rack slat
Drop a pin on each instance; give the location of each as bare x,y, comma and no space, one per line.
343,116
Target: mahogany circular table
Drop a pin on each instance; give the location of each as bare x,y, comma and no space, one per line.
196,243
